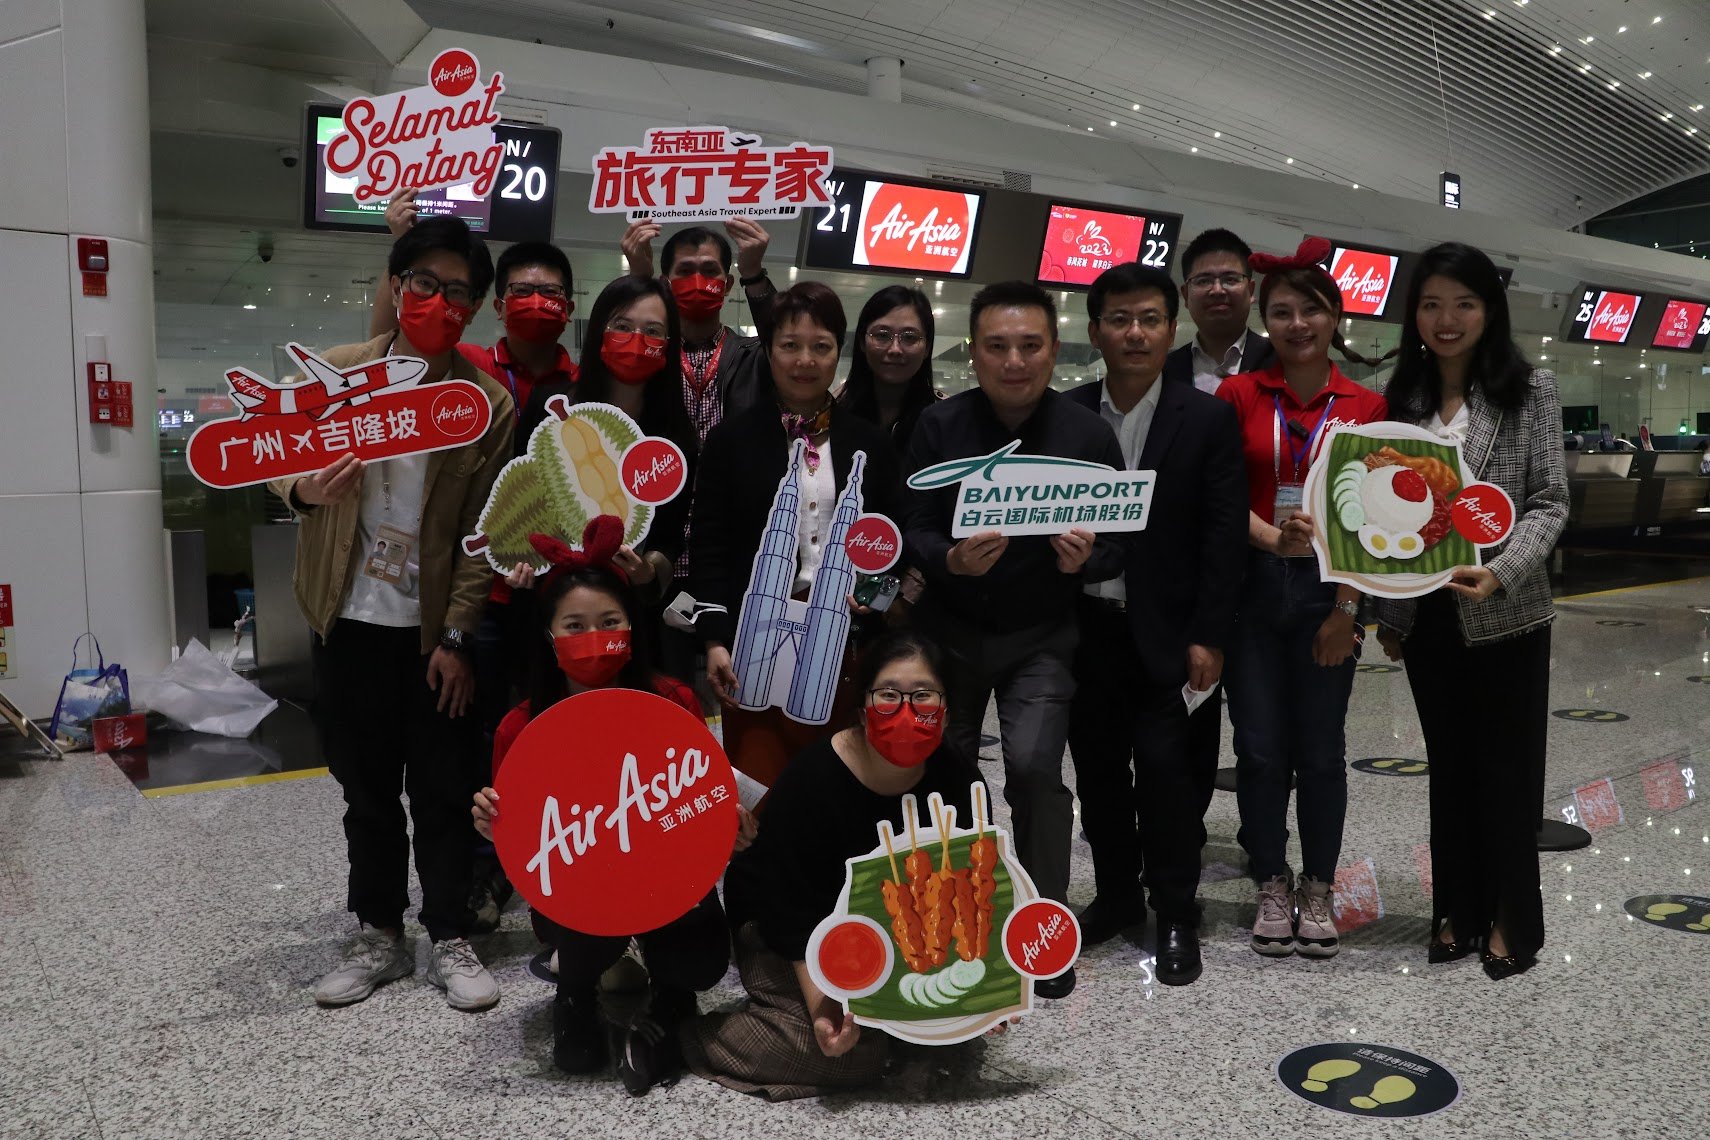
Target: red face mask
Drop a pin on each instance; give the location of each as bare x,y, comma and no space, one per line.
430,324
594,657
699,297
632,357
535,318
905,738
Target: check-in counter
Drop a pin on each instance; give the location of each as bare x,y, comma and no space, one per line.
1600,494
1670,488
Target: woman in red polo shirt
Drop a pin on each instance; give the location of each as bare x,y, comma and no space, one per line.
1291,664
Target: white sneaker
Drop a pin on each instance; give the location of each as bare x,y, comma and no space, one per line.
454,968
1315,934
372,959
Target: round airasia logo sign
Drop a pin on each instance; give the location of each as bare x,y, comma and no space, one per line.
454,414
653,470
1483,514
453,72
1041,939
874,544
617,812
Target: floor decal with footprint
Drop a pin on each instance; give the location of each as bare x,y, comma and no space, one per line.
1391,766
1687,913
1368,1080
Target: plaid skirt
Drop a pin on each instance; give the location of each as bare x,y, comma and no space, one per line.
768,1049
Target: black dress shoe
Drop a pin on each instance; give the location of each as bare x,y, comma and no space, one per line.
1060,986
1178,962
1497,967
1105,918
1440,951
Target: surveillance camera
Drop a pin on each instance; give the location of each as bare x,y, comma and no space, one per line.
264,249
288,156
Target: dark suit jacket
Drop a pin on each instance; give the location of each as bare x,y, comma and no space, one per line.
1255,355
744,458
1184,570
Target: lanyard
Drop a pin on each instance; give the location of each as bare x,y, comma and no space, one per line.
1278,430
697,379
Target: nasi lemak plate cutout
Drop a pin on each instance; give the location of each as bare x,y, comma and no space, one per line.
938,935
1397,510
583,461
376,410
1038,494
617,812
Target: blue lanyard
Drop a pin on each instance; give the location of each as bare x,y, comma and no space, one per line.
1279,429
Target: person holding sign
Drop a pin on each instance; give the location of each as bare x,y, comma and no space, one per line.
587,641
1143,787
1004,608
394,603
793,1040
1291,669
1462,377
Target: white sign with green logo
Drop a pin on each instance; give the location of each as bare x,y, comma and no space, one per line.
1039,494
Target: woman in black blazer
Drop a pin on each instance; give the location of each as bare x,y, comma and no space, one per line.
744,460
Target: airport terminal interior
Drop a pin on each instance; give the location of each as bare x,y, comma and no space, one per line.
180,247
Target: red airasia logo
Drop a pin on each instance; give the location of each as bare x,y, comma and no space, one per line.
1365,279
1041,939
1680,325
874,543
1612,320
915,227
1482,513
653,470
453,72
617,812
455,414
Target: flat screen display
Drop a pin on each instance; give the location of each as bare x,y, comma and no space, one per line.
1684,325
1603,316
1366,278
1081,242
518,209
893,225
1579,417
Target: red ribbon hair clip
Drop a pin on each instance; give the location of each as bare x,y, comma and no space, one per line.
600,541
1311,253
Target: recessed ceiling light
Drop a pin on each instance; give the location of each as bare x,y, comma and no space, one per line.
251,305
1136,106
1216,134
1656,19
1291,162
1113,122
1089,128
1490,14
1584,67
1588,39
1621,29
1644,75
1356,185
1193,150
1696,107
1667,115
1614,83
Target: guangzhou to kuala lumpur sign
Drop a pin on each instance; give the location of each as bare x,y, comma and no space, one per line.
1039,494
376,410
426,137
703,174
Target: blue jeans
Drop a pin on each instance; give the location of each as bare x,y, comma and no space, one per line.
1288,713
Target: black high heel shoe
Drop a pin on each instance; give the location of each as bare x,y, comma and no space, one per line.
1440,951
1497,967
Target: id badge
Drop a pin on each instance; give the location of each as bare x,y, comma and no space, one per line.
1290,498
390,555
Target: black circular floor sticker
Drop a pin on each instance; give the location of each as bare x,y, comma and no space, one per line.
1368,1080
1616,624
1391,766
1688,913
1591,716
1376,667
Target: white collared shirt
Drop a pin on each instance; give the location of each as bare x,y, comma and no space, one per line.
1209,374
1455,431
1131,428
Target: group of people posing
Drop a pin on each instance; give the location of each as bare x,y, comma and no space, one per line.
1121,649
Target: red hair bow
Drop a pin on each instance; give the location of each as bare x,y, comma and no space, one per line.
1312,251
600,541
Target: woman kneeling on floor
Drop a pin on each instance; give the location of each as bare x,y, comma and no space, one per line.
585,606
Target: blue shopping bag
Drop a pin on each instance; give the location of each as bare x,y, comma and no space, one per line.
86,693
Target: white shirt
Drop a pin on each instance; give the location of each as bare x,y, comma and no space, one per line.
818,503
1131,428
1209,374
1455,431
397,605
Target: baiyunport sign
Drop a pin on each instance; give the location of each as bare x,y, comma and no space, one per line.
1038,494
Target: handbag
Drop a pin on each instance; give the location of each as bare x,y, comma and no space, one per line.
101,690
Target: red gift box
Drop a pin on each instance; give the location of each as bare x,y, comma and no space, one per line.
117,733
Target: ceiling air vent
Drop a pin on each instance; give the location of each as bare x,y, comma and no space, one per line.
968,176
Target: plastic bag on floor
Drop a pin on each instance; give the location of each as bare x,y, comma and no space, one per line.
200,692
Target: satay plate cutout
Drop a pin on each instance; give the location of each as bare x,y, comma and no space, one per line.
939,933
1396,509
583,461
376,410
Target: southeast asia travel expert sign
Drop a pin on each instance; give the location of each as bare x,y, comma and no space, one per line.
617,812
376,410
704,174
1038,494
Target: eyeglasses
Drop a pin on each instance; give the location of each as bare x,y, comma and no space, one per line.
1227,280
888,702
625,325
529,289
425,284
1122,322
908,338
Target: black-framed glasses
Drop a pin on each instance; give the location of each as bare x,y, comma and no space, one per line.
1121,322
1227,280
625,325
908,338
424,283
529,289
888,702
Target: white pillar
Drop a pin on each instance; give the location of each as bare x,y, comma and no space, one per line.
884,78
80,504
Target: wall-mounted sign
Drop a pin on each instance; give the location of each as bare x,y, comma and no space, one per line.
1602,316
1081,242
1684,325
895,225
703,174
8,635
1450,184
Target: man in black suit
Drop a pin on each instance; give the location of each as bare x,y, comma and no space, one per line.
1162,626
1219,292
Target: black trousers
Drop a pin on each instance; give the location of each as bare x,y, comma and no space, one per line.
382,737
1143,769
1487,772
685,956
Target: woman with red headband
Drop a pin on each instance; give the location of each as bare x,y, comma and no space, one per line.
587,609
1291,665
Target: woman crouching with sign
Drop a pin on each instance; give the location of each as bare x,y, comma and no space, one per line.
588,650
793,1040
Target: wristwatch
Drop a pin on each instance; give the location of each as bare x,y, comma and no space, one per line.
453,639
1350,607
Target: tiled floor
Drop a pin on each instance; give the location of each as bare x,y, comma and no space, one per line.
160,954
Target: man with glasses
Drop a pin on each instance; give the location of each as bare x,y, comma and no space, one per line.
1163,625
1219,288
393,680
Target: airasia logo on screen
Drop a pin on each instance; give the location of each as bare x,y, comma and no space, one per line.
1365,279
1612,319
915,227
1682,323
